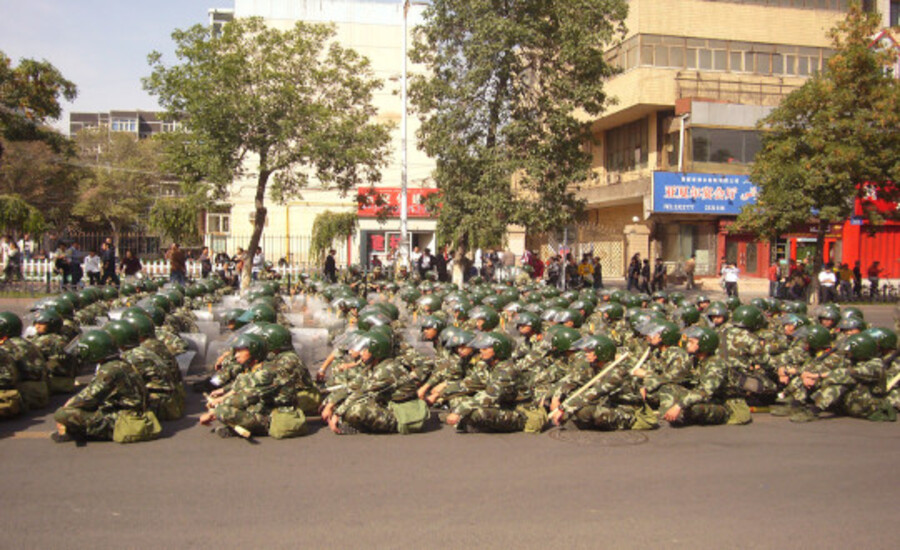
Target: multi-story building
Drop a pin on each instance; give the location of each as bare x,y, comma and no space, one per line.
375,31
140,123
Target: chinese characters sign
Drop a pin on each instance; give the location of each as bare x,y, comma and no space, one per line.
374,200
674,192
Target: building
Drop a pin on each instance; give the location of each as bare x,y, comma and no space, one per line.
141,123
375,31
671,158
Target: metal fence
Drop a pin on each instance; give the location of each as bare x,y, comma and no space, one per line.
290,250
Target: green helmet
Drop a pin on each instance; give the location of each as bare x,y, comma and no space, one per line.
830,311
528,319
618,296
278,338
499,342
389,309
860,347
432,321
51,319
110,293
636,300
667,330
493,301
85,297
717,309
564,339
232,318
582,306
852,323
817,337
748,317
701,298
851,311
454,337
127,289
461,308
794,319
707,339
254,343
687,315
564,316
95,346
676,298
142,324
160,301
885,339
72,297
10,324
61,306
123,333
612,311
760,303
373,319
659,295
157,315
794,307
430,303
488,315
263,299
259,313
658,308
377,344
193,291
733,302
603,347
175,297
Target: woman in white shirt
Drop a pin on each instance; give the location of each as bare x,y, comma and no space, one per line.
730,276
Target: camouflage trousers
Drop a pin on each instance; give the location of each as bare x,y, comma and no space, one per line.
894,398
705,413
371,417
857,402
605,417
254,422
87,424
497,419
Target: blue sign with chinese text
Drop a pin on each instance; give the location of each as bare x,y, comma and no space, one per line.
677,193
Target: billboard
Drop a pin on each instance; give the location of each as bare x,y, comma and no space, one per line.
386,200
715,194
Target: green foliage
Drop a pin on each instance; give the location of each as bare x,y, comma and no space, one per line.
839,130
176,218
122,177
16,216
29,96
329,226
293,100
503,105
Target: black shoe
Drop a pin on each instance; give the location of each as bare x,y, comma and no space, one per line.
347,429
224,432
61,438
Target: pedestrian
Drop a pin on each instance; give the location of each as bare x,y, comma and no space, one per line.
644,279
108,263
76,258
873,274
330,269
177,264
205,263
440,264
259,261
598,273
845,282
730,273
92,267
61,264
659,275
130,265
425,263
586,269
13,270
772,275
634,272
690,266
857,279
827,283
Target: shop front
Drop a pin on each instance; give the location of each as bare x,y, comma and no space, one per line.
379,224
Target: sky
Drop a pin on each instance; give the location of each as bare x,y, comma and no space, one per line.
100,45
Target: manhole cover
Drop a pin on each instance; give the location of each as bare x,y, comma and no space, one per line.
602,439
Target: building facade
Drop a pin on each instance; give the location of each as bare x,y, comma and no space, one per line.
143,124
375,30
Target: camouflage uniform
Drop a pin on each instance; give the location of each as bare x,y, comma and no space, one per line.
366,407
32,369
172,341
891,369
669,366
165,396
160,349
255,394
594,408
824,361
92,413
746,352
10,399
292,368
855,389
475,376
496,407
709,398
62,368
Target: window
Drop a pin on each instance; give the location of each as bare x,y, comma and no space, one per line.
724,146
737,61
895,14
706,59
123,125
627,146
218,223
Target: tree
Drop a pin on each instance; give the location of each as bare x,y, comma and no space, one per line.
294,102
329,226
838,131
29,97
17,215
122,179
502,108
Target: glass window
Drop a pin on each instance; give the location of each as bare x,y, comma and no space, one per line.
895,14
627,146
705,59
724,146
777,64
662,56
690,60
803,65
676,57
737,61
646,55
790,64
720,60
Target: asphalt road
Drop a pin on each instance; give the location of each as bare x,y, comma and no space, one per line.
772,484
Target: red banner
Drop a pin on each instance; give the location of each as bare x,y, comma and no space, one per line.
375,200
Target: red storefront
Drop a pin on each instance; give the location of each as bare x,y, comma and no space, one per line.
867,243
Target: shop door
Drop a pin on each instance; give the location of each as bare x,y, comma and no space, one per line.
744,253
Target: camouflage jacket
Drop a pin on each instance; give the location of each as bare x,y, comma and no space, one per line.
53,348
9,374
153,369
669,366
70,330
259,390
385,382
475,380
171,340
502,389
743,349
595,322
160,349
452,369
712,382
794,356
545,379
28,358
870,373
289,362
776,341
581,373
228,371
115,387
618,332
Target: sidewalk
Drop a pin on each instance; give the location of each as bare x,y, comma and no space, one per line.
748,287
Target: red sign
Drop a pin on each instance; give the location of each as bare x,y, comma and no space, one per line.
375,200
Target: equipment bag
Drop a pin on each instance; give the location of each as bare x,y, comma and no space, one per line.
10,403
287,422
132,427
535,418
35,393
171,405
738,412
61,384
308,401
410,415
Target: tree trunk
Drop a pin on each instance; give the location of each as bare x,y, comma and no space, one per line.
461,264
258,224
818,262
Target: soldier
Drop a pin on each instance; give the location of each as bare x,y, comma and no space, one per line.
286,360
562,352
245,409
382,398
62,368
829,316
10,398
886,340
459,376
709,397
30,363
668,363
147,337
717,315
421,366
116,388
165,396
746,352
594,408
